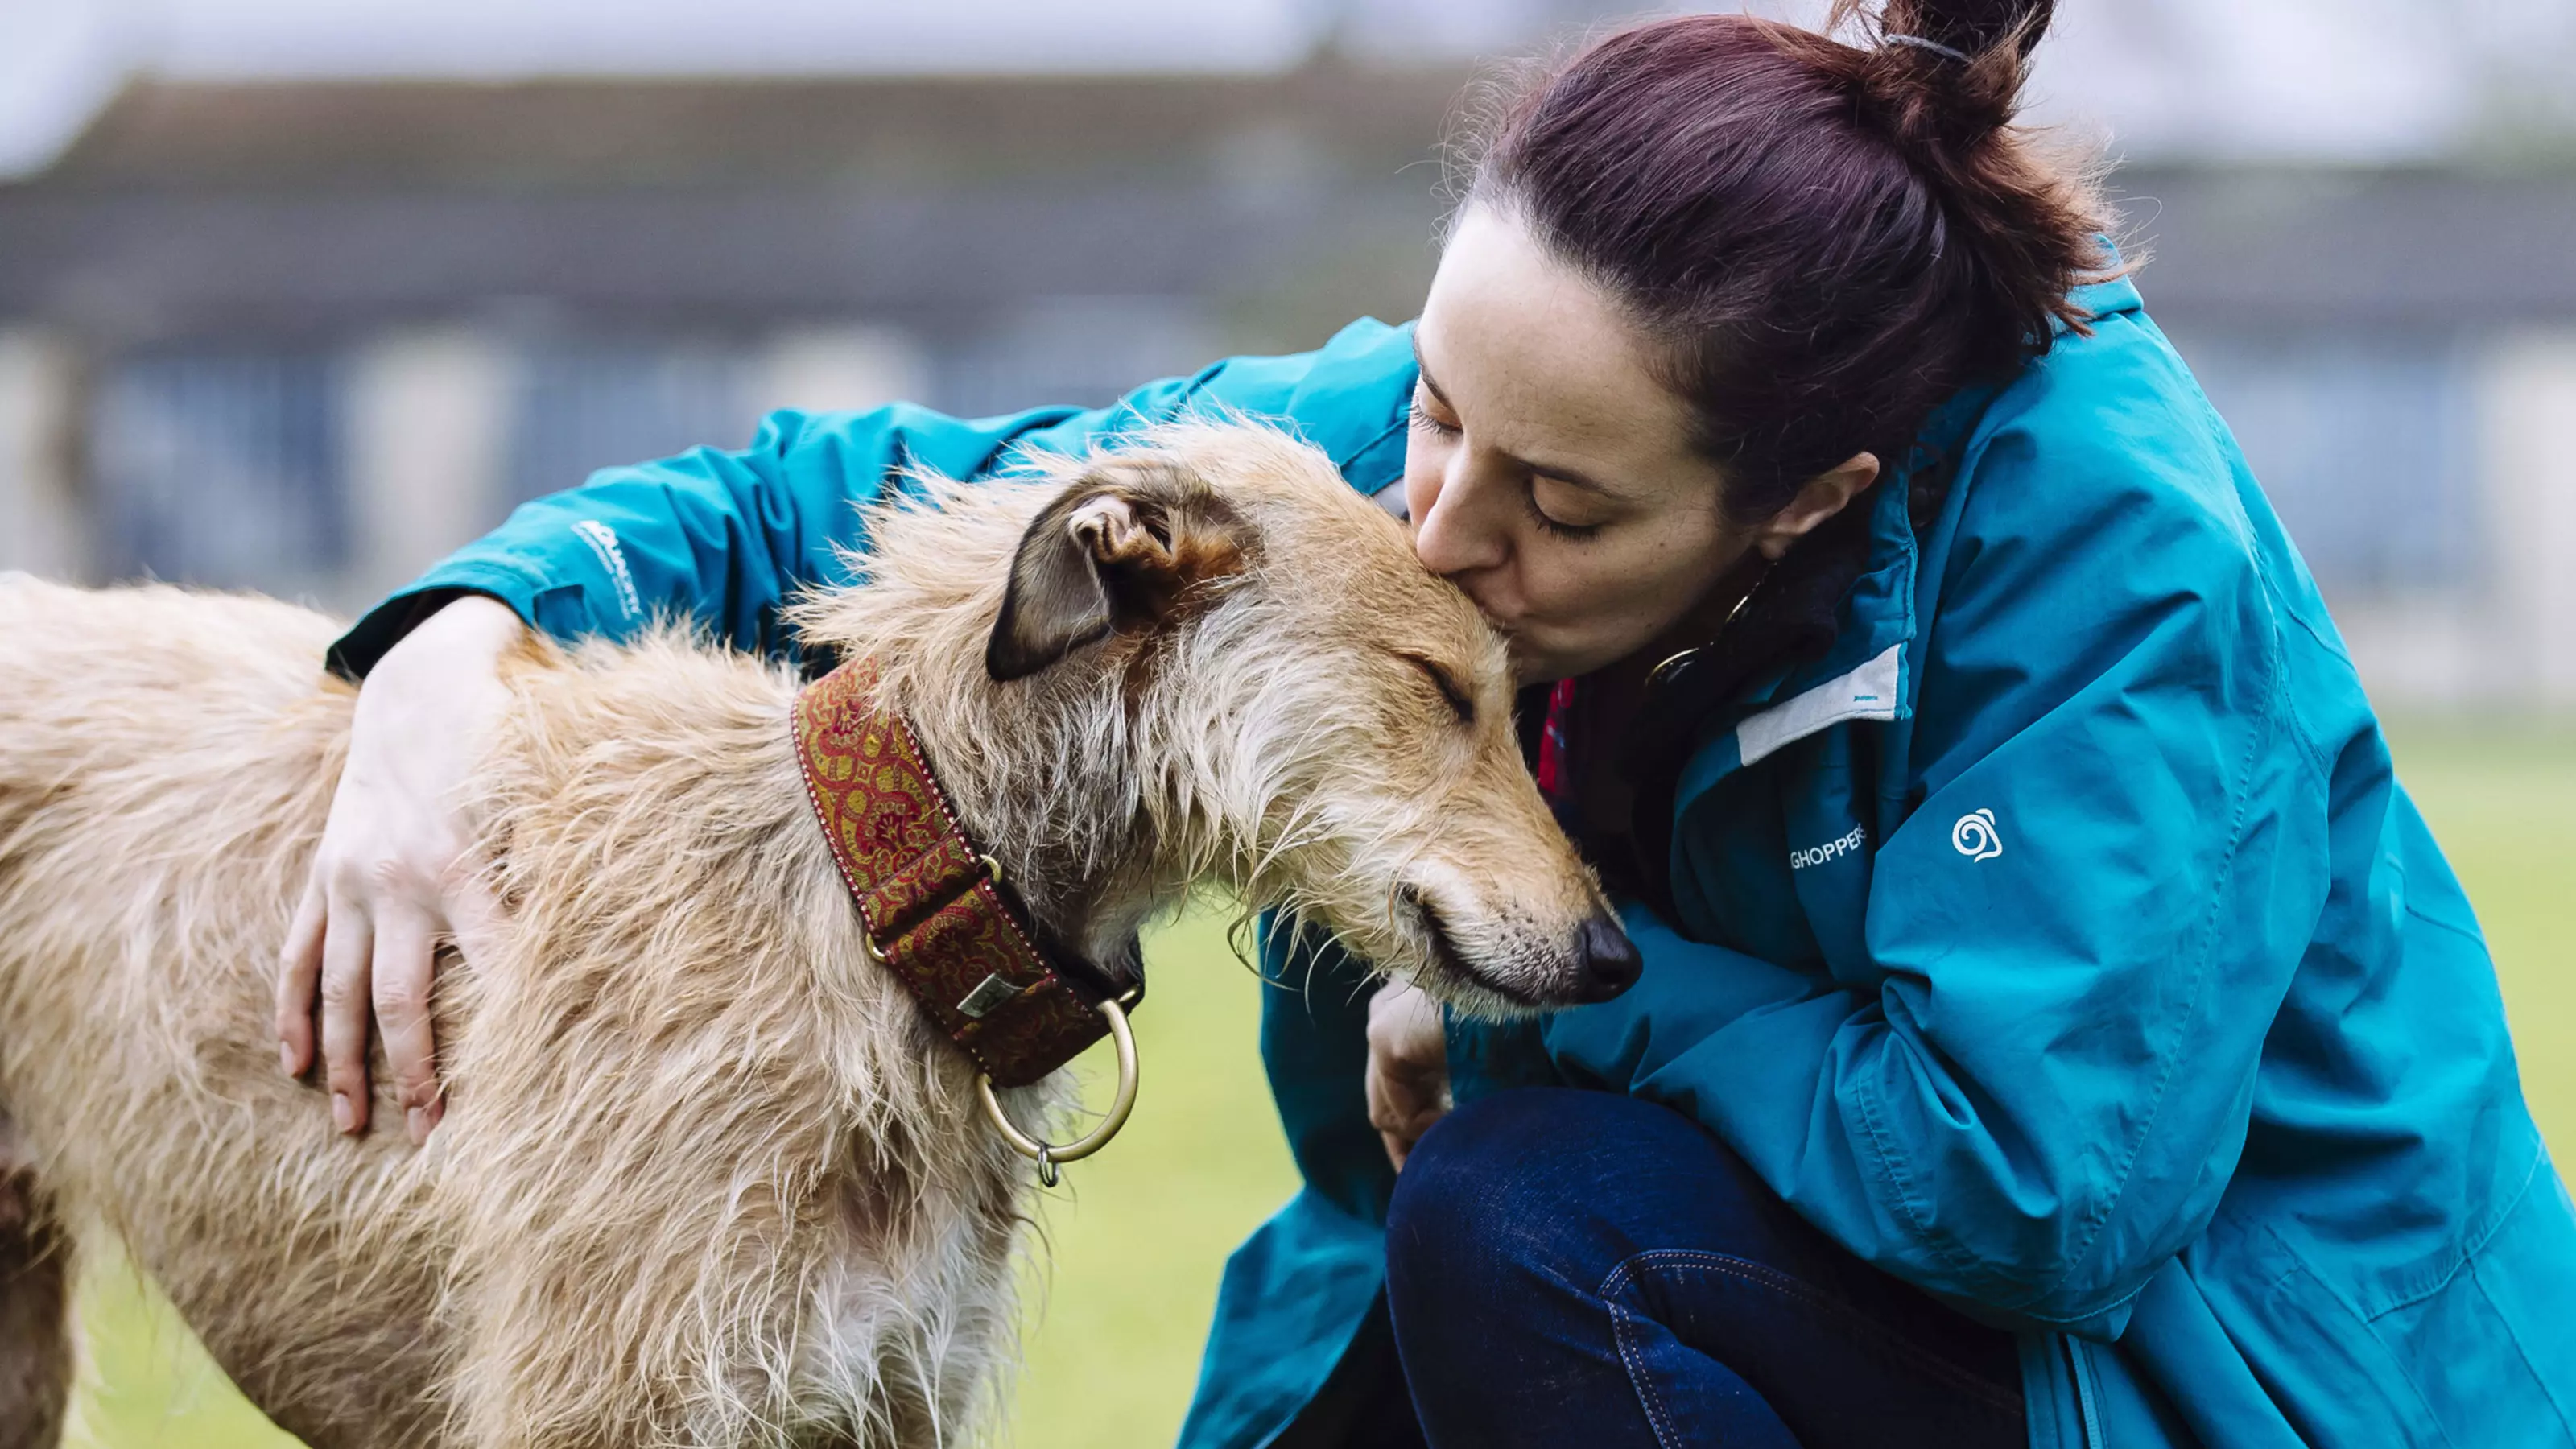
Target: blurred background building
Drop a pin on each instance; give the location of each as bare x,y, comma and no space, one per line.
297,294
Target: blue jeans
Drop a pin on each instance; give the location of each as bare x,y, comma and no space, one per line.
1585,1269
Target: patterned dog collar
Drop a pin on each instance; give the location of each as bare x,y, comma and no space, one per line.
934,907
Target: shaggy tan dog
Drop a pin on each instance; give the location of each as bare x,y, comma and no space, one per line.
708,1175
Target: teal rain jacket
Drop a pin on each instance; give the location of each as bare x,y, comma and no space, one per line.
2061,943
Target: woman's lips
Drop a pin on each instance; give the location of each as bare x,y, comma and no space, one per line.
1507,621
1512,624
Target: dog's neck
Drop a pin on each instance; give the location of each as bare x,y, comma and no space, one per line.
1041,770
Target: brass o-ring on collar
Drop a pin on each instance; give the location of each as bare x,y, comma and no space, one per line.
1047,1155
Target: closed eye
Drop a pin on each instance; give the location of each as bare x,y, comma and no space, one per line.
1461,701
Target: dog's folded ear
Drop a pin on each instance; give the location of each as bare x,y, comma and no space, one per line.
1116,553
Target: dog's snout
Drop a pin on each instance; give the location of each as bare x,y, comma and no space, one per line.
1508,967
1608,960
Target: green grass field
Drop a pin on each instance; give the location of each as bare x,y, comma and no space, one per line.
1141,1232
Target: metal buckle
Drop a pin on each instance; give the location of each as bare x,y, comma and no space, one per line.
988,994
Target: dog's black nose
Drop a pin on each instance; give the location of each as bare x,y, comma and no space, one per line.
1607,958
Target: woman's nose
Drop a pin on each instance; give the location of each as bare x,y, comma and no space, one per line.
1454,536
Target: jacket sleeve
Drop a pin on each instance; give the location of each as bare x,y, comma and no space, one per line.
724,538
2030,1088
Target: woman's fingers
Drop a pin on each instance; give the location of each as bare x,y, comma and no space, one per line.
1404,1100
1384,1117
347,944
367,935
1408,1068
473,917
299,970
1399,1140
406,937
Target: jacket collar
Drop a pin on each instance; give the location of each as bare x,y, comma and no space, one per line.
1868,673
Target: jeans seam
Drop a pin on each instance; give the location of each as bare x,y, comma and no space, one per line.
1658,1418
1764,1276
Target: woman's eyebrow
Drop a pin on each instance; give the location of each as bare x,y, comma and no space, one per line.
1423,369
1567,476
1570,477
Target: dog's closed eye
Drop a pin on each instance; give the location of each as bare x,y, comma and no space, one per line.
1460,698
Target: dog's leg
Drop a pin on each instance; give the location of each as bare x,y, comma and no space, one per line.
35,1309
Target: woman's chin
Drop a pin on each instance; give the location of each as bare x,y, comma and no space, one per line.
1539,664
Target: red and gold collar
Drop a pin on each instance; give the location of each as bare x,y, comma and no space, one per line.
933,905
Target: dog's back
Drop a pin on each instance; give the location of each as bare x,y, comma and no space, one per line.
166,762
710,1179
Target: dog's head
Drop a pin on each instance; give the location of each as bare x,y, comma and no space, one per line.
1305,711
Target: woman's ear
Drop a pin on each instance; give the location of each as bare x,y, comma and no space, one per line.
1115,552
1824,495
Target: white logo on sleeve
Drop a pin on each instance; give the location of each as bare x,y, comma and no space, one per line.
603,542
1975,836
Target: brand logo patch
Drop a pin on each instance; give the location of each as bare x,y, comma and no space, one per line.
1830,850
1975,836
603,542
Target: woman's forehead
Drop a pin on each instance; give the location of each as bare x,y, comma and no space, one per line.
1539,363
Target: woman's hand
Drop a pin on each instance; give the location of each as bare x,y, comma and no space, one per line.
1408,1067
388,881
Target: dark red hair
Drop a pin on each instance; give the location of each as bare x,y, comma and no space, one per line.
1825,239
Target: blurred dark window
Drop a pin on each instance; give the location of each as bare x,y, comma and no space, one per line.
2366,444
1076,351
221,468
581,408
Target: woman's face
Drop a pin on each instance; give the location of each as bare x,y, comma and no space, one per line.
1551,475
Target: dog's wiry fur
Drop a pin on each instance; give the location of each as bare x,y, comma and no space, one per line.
707,1175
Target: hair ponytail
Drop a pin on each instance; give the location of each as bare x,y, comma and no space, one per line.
1934,72
1974,28
1825,238
2027,219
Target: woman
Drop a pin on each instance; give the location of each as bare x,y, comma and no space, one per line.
2057,1026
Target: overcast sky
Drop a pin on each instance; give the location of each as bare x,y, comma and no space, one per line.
2309,79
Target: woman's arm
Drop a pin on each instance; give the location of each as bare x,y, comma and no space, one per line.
719,537
723,538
